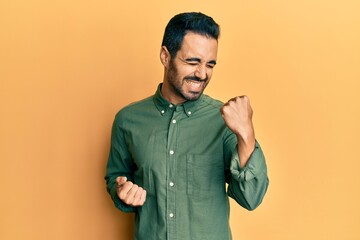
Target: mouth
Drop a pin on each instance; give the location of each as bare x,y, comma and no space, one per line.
195,85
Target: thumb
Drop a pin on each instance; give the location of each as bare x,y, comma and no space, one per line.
121,180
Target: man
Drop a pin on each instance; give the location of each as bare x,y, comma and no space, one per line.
173,153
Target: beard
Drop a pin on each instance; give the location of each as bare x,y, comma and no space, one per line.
177,84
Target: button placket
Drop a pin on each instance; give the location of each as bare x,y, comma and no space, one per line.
171,170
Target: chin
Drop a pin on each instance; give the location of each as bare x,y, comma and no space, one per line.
193,96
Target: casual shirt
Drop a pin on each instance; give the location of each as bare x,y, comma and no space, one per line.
186,159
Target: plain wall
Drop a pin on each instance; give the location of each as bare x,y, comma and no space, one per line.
67,67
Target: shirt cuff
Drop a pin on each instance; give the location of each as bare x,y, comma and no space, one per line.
120,204
254,166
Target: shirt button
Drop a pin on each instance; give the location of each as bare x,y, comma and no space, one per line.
171,184
170,106
171,215
171,152
189,112
174,121
162,111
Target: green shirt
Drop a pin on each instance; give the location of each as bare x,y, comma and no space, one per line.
183,156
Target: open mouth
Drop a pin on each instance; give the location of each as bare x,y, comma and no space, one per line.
194,85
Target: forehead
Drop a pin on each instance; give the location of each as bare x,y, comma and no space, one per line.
197,45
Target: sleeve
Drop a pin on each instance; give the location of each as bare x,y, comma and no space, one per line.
119,164
247,186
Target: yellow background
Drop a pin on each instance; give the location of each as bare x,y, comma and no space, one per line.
66,68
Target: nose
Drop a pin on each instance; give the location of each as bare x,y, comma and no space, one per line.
201,72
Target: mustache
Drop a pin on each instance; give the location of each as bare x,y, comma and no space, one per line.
194,78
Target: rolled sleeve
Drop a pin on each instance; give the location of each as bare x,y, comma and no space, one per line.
118,203
249,184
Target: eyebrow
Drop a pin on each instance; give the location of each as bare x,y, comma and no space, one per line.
213,62
194,59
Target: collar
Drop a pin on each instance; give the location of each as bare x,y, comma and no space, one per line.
164,106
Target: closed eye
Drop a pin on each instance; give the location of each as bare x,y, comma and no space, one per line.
192,63
212,64
197,61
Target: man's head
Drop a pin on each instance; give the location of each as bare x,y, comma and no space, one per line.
183,23
188,53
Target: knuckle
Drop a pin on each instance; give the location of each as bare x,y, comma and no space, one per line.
128,184
232,102
122,196
129,200
140,202
123,193
242,98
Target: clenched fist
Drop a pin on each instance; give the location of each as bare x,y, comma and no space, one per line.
130,193
237,114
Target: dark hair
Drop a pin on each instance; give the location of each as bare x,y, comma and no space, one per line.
183,23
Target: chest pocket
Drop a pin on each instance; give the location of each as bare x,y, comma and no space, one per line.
205,175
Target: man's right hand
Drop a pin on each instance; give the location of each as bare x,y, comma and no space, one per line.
130,193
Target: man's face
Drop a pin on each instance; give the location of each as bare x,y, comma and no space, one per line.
190,71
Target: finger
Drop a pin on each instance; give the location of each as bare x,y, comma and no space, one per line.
241,96
235,99
225,109
244,98
233,103
124,190
120,181
142,198
129,199
137,196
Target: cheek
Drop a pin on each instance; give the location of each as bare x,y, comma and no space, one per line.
186,71
209,73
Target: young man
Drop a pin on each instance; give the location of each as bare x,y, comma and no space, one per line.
173,153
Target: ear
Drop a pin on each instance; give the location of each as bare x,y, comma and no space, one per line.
165,56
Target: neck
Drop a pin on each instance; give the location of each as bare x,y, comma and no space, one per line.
170,95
